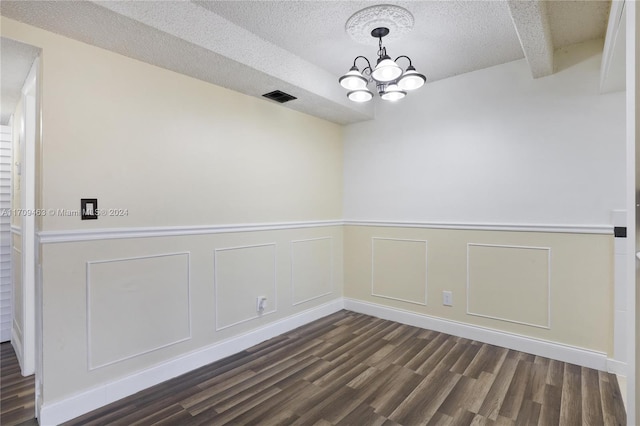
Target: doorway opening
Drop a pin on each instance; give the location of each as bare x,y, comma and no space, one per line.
19,295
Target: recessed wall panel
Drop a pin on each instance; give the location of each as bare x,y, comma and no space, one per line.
311,269
242,274
509,283
136,305
399,269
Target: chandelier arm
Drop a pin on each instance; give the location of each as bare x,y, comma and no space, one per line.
363,57
366,70
404,56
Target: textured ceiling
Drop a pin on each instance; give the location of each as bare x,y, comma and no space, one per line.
301,47
448,38
15,63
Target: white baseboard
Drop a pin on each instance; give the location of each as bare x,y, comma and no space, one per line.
69,408
558,351
617,367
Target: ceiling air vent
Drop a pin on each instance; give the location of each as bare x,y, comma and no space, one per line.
279,96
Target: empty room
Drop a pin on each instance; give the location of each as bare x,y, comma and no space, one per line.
318,212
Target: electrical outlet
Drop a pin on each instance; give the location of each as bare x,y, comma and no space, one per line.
261,304
447,298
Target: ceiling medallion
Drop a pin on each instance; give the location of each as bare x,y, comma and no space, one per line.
398,20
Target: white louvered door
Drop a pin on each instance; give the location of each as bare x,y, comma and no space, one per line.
6,307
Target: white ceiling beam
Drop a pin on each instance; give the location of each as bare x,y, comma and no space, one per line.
532,25
612,68
317,90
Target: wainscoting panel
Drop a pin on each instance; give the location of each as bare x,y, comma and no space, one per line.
136,305
399,269
509,283
223,274
241,275
543,285
311,269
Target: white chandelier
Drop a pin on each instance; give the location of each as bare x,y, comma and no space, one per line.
392,83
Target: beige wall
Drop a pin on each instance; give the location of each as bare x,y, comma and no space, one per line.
172,151
551,286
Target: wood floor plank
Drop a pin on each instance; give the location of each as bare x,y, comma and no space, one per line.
363,377
403,353
462,417
363,414
427,351
591,402
316,348
448,353
302,374
159,415
181,418
422,403
394,391
104,415
397,331
555,374
209,390
571,404
491,406
370,388
272,406
440,419
460,392
379,355
489,358
537,382
479,392
342,374
465,359
362,351
241,390
529,413
333,409
226,411
612,406
408,333
550,410
515,394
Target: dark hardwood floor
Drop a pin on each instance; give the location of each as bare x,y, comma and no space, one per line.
353,369
17,406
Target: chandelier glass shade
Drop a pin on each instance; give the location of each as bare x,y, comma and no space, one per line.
353,80
362,95
392,83
386,70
